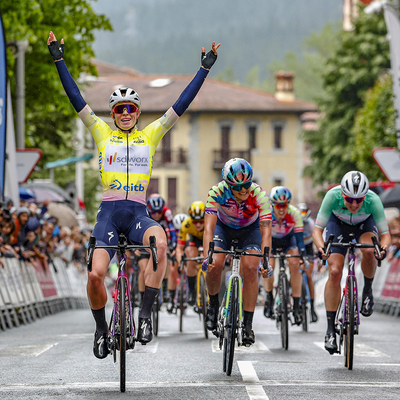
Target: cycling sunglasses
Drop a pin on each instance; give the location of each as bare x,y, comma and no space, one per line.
281,206
238,188
130,108
351,199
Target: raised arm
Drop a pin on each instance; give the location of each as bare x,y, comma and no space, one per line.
190,92
70,87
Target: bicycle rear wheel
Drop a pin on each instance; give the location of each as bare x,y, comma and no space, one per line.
203,302
232,325
122,297
181,302
350,321
304,306
284,297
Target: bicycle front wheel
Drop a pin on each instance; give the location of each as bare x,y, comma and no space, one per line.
232,325
284,312
304,306
350,323
122,297
203,302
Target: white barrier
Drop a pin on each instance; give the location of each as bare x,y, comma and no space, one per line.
31,290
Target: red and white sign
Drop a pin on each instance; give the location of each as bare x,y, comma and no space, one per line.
27,160
388,159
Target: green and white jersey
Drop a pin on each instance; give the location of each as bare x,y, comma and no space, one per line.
333,203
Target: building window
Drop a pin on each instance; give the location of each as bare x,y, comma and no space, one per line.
225,141
278,136
172,194
153,186
278,182
252,136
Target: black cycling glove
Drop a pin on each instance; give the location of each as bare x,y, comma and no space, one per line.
56,50
208,60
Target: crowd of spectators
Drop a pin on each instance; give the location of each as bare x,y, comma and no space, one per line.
28,232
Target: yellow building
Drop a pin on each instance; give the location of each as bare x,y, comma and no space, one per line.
223,121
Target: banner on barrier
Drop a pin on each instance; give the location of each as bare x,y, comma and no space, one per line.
45,279
392,284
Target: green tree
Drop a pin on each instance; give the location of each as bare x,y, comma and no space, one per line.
374,127
361,57
49,117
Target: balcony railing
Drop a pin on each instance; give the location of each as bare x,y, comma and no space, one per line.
223,155
170,157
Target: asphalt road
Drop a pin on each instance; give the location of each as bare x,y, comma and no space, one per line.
52,358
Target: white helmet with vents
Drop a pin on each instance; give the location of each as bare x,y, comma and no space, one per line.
122,95
355,184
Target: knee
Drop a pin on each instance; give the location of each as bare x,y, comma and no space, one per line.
335,275
95,279
368,254
161,247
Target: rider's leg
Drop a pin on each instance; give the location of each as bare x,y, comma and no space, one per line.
191,272
368,266
295,282
249,271
96,290
268,286
314,315
213,279
142,267
153,279
332,289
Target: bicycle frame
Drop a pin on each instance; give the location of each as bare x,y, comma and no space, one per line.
118,331
234,274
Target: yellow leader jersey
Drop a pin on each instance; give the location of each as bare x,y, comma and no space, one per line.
126,159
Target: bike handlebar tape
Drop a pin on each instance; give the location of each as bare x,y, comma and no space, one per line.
210,252
92,244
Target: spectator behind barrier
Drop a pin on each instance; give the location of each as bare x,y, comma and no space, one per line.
394,229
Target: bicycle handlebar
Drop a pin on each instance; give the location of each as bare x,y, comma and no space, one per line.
353,245
122,246
239,252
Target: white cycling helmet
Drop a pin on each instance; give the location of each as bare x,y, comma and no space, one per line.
355,184
124,95
178,219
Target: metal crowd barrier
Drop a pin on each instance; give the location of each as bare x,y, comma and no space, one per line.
31,290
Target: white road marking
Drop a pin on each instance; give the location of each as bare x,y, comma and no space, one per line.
360,350
256,392
146,385
248,372
249,375
28,350
257,347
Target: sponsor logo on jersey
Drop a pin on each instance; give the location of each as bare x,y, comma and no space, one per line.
119,159
116,184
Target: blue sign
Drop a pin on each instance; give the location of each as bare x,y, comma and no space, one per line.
3,101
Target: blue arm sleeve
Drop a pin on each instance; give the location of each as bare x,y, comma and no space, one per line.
70,86
190,92
300,240
172,232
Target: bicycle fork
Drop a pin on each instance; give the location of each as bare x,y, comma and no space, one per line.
228,293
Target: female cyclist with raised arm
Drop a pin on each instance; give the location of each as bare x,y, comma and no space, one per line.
125,165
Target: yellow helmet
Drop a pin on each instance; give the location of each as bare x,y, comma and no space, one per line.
197,210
